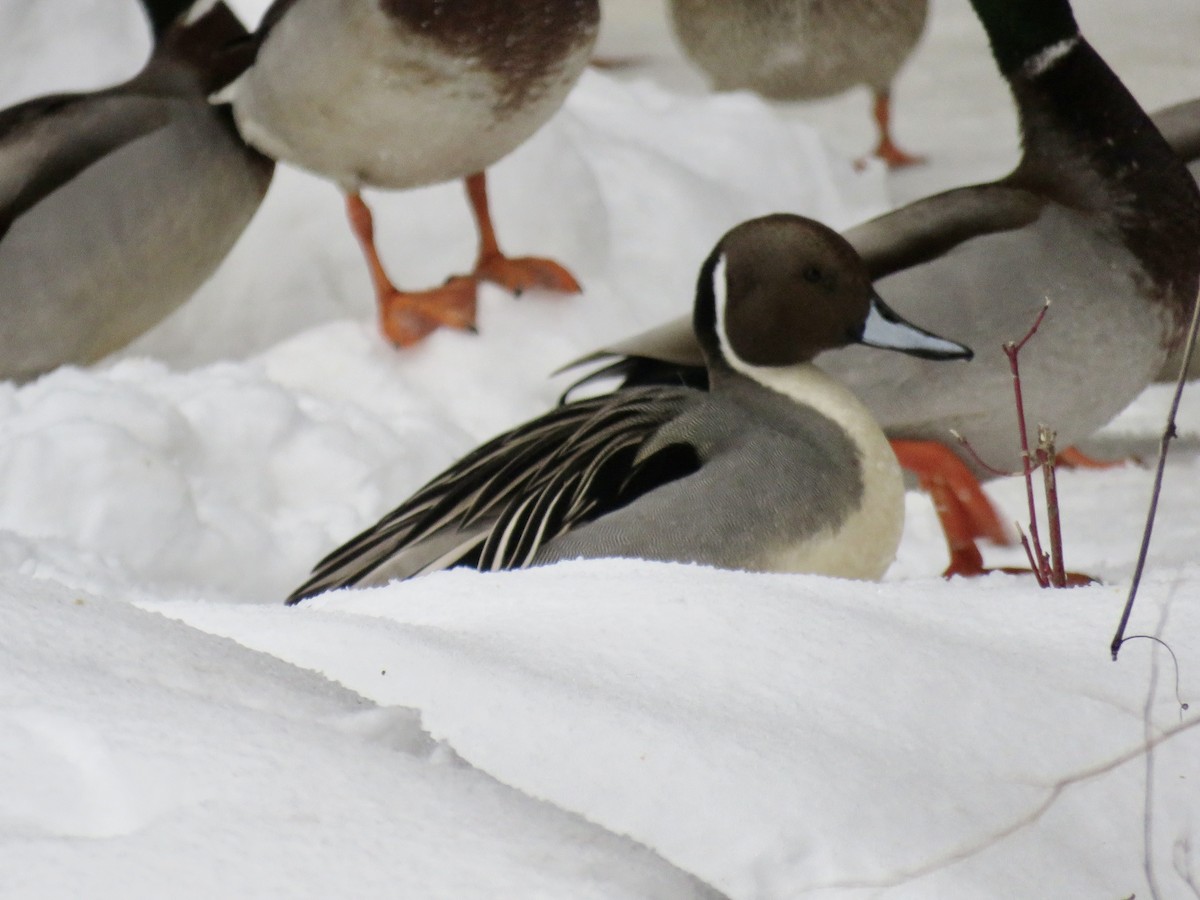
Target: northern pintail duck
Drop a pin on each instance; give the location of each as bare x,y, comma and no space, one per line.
804,49
776,468
404,93
115,206
1100,217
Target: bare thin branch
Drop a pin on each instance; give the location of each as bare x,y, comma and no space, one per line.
1148,794
1169,434
1034,563
1037,323
1007,831
979,460
1012,350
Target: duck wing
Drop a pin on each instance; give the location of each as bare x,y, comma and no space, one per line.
47,141
499,504
930,228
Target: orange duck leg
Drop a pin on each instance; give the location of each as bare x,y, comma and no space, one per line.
1074,458
405,317
887,149
963,509
514,274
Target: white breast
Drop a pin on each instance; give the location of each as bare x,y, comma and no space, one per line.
866,542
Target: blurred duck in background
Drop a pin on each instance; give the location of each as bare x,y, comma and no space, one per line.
116,205
805,49
396,95
1180,125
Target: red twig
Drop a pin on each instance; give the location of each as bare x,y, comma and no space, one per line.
1012,350
979,460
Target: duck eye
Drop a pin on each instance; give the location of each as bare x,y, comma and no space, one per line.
812,274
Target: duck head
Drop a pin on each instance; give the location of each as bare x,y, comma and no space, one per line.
778,290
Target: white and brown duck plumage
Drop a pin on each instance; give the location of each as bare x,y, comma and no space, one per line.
399,94
805,49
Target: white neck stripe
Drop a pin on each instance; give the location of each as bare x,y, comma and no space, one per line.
720,289
1044,60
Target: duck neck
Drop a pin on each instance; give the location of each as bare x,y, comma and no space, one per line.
1088,143
1076,116
704,320
1022,30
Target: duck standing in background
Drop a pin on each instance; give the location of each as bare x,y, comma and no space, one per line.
405,93
1100,217
777,468
115,206
805,49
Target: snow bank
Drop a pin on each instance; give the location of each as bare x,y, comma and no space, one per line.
140,759
771,735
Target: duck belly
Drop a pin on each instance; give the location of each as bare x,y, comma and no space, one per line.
798,49
1102,339
347,93
124,243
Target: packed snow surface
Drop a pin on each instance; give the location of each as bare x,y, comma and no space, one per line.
599,729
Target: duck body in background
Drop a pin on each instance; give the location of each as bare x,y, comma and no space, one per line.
775,468
399,94
1100,218
1180,125
804,49
115,206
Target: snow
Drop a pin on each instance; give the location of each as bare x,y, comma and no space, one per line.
601,729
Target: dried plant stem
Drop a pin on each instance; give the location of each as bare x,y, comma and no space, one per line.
1034,563
1046,456
1169,433
976,458
1048,569
1038,560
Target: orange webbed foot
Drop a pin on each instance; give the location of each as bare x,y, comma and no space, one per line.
1074,458
406,317
1070,579
887,149
520,274
895,158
